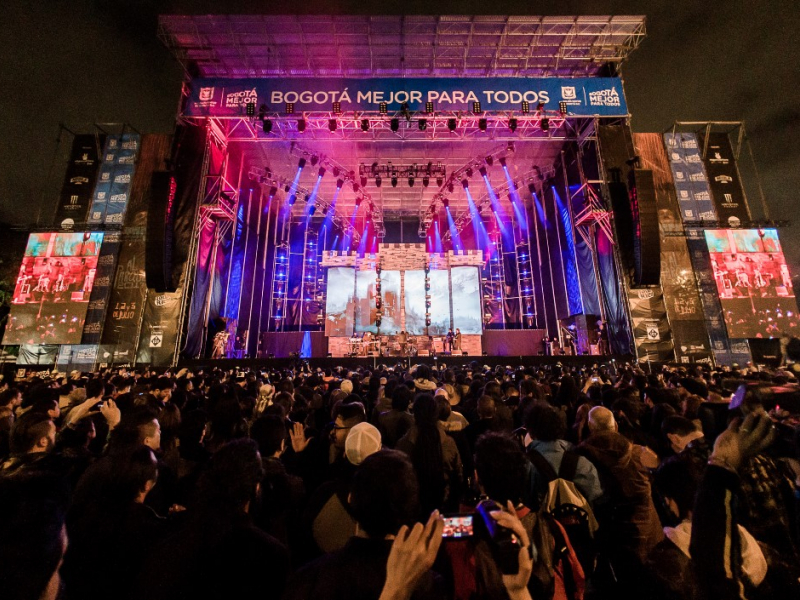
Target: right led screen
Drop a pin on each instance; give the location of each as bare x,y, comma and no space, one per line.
753,282
466,299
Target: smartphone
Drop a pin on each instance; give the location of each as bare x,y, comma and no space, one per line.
458,526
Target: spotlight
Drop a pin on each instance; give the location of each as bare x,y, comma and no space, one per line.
425,182
355,186
512,124
335,171
526,108
321,171
482,171
562,108
469,172
301,125
452,124
446,202
300,164
314,160
394,181
332,125
337,108
394,124
272,191
532,188
358,201
364,124
489,160
383,108
266,125
423,124
324,210
540,107
286,188
312,210
545,124
378,181
439,181
450,187
292,200
250,108
339,183
503,162
289,110
410,182
363,182
429,108
476,108
307,197
464,183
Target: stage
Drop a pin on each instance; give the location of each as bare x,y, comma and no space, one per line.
351,364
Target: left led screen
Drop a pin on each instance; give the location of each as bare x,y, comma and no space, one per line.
340,302
51,295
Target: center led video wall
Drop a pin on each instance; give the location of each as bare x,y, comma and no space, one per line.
351,301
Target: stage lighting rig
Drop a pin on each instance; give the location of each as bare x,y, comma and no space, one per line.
476,108
383,108
512,124
332,125
378,181
562,108
429,108
365,125
482,124
423,124
452,124
301,125
482,171
544,124
394,182
337,108
394,124
314,160
410,182
425,182
289,109
266,125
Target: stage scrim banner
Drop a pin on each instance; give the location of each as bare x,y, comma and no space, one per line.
159,329
691,184
723,180
113,188
79,181
651,332
98,301
584,96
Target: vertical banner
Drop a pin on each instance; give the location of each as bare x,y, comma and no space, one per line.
126,304
98,301
79,181
160,330
691,184
112,192
712,309
723,180
651,331
76,357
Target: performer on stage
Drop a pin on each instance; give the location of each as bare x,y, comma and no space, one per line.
457,344
448,341
602,338
220,341
402,339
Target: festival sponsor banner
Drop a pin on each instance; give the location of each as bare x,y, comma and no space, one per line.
81,357
651,330
691,184
98,301
691,341
583,96
126,302
724,181
79,180
112,192
159,328
37,354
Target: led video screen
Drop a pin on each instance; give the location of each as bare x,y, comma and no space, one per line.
466,285
390,299
365,301
340,302
439,296
753,282
51,295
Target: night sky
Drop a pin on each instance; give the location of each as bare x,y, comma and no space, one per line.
81,62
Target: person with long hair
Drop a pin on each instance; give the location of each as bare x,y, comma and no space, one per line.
434,455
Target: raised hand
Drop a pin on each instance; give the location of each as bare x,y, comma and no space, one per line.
516,585
298,437
413,554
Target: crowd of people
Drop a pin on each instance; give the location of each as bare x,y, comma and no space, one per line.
401,482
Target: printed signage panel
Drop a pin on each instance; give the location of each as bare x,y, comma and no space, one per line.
585,96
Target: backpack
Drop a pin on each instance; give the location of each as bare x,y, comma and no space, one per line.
566,504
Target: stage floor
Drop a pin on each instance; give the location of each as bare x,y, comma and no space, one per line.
374,362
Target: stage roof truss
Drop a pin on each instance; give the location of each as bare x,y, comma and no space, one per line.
242,46
469,127
593,215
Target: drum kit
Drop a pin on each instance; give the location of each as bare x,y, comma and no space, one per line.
384,345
